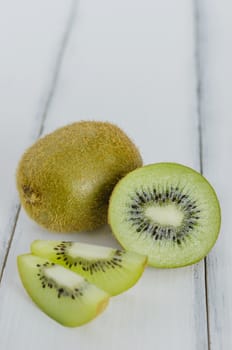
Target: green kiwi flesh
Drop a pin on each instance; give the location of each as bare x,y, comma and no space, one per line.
166,211
65,179
110,269
62,294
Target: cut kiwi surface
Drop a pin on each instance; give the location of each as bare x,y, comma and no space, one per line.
62,294
166,211
111,269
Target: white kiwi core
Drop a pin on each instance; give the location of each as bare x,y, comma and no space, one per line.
63,276
87,251
167,215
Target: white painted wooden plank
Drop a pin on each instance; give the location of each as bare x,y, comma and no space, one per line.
132,63
216,106
30,38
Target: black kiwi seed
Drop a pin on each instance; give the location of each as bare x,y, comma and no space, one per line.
88,266
49,283
172,194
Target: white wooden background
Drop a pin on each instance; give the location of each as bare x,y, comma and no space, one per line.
161,70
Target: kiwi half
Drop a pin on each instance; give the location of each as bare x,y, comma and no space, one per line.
110,269
62,294
65,179
166,211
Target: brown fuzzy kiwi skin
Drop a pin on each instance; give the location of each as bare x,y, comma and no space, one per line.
65,179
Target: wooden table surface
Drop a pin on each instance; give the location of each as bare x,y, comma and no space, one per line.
162,71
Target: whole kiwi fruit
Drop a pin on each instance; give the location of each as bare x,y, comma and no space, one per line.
65,179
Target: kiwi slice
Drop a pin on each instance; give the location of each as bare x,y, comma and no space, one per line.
166,211
62,294
65,179
111,269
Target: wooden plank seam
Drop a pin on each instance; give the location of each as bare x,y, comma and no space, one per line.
50,94
199,74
